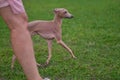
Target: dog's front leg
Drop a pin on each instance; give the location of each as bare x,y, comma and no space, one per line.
66,47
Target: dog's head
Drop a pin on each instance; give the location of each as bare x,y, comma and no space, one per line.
62,13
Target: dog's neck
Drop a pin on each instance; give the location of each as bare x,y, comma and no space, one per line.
57,20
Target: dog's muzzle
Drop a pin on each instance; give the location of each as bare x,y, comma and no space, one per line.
70,17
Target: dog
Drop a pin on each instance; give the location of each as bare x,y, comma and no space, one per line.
50,30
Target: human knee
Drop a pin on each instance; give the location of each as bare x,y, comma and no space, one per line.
21,22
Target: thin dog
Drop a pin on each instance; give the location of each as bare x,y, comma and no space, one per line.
50,30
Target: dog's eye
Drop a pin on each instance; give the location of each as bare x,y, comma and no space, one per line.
65,12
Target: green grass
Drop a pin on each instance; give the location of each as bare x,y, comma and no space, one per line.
93,35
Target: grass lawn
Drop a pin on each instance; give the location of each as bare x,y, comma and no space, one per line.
93,34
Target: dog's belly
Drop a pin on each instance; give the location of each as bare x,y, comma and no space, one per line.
47,36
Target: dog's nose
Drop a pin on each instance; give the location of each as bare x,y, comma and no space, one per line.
72,16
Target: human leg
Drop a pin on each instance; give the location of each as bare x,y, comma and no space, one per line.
21,42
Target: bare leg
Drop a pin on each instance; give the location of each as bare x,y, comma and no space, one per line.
66,47
49,51
21,42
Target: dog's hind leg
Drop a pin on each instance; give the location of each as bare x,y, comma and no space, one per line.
49,51
13,61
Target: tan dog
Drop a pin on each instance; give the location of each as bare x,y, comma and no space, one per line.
50,30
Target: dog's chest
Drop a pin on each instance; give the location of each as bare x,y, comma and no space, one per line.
47,35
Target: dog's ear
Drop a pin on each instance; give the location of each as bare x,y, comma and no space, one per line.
55,10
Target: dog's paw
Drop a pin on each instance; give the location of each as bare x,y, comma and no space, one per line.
42,65
74,57
39,65
46,79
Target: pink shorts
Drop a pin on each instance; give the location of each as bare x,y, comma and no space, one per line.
16,5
